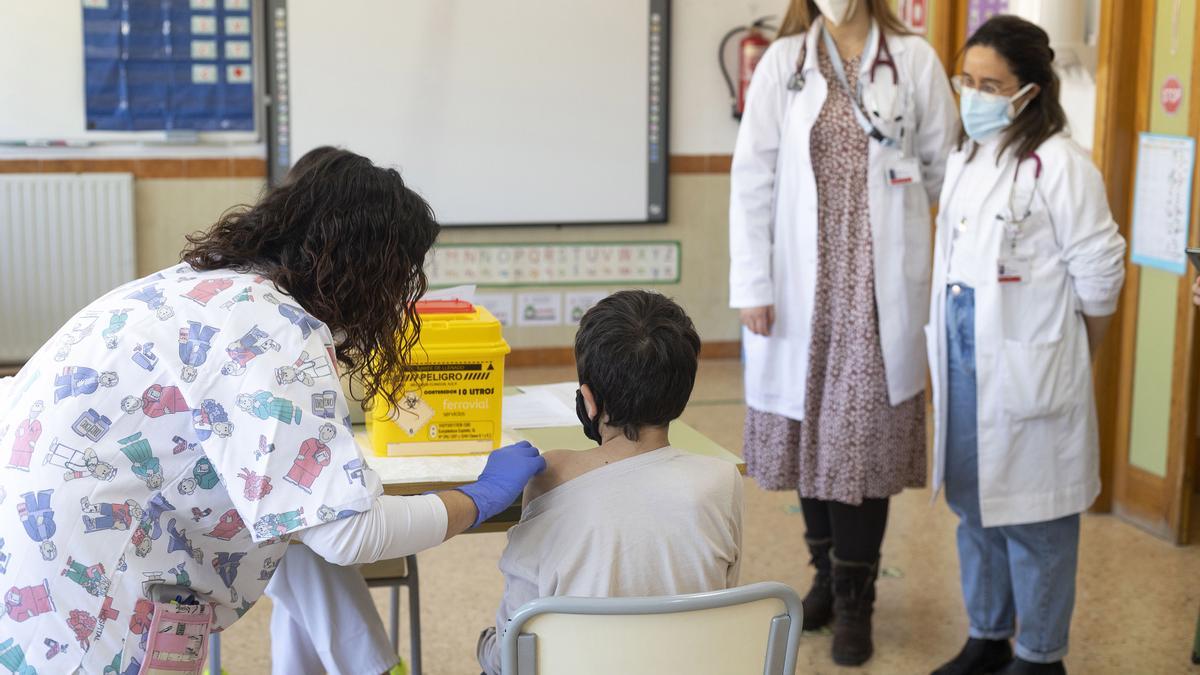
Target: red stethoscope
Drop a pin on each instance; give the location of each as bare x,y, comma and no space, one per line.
1037,174
1013,224
866,98
883,57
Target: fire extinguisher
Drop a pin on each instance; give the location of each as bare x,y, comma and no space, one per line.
749,52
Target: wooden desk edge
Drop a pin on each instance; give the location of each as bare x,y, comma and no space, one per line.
403,489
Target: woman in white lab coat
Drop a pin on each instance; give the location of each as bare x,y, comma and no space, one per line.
1028,268
848,121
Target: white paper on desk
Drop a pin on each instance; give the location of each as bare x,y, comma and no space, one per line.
564,392
465,293
536,409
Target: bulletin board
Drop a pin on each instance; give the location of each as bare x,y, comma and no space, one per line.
163,65
46,51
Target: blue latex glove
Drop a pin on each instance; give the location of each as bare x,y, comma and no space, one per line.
503,479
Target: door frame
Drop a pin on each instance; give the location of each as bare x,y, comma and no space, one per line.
1159,504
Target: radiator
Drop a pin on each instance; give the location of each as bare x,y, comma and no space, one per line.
65,240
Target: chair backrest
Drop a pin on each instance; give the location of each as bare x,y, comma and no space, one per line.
751,630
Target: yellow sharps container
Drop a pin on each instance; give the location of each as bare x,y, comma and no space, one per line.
452,398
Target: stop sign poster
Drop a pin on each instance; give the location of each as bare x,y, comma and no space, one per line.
1171,95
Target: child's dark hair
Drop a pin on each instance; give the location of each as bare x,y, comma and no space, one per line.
637,352
347,240
1026,49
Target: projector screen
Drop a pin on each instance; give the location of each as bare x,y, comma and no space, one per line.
498,112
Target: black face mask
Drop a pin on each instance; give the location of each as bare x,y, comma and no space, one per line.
591,427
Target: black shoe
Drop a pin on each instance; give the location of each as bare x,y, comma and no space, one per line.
1020,666
853,603
818,604
979,657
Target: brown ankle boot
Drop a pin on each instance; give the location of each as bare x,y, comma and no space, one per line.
818,604
853,603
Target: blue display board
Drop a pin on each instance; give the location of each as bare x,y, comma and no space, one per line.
162,65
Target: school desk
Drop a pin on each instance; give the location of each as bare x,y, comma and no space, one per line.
418,475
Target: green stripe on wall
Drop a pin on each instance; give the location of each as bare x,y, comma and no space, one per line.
1158,290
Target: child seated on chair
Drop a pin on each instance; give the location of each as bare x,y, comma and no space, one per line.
633,516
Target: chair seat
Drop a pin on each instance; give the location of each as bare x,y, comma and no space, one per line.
383,571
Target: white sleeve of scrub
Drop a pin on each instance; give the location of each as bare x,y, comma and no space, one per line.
752,183
394,527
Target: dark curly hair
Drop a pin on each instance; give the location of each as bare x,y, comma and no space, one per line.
347,240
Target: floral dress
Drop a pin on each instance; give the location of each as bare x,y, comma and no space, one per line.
853,443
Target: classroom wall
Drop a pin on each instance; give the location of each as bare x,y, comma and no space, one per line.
167,209
701,123
702,135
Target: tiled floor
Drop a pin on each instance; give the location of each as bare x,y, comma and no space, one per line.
1136,608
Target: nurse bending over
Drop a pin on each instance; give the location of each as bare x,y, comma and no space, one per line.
1028,269
177,433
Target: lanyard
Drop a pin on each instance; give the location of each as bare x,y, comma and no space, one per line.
856,101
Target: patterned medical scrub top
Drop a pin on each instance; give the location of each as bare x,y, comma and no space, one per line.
171,435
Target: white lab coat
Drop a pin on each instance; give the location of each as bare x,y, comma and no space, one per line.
773,216
1038,441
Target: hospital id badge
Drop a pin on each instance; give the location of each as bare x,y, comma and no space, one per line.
178,642
1013,270
904,171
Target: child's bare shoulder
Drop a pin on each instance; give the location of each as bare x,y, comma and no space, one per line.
561,466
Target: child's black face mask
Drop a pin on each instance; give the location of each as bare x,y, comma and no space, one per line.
591,427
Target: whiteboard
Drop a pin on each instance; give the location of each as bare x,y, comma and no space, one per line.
498,112
1162,201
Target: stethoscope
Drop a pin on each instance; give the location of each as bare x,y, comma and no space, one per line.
1037,176
1016,218
1011,223
866,96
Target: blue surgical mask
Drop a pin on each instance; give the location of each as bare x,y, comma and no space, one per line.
985,115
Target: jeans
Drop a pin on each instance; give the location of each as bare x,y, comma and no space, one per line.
1013,573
